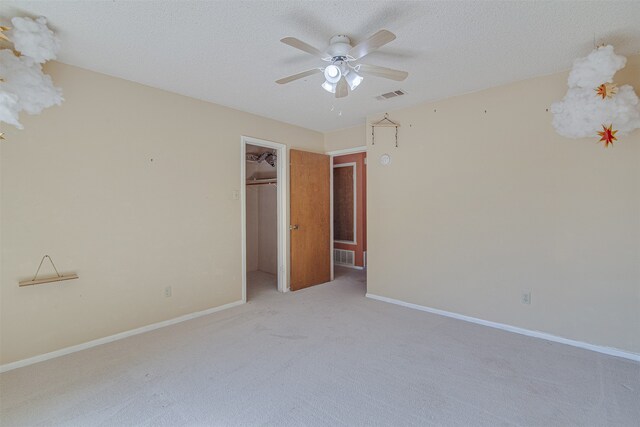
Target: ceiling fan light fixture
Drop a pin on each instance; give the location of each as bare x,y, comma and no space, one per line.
329,87
332,73
342,74
353,79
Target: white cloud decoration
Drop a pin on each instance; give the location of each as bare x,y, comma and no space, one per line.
34,39
582,112
25,87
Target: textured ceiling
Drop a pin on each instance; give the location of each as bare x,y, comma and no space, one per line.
228,52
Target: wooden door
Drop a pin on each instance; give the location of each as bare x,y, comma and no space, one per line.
310,230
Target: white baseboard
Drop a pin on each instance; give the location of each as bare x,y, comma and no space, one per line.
536,334
110,338
355,267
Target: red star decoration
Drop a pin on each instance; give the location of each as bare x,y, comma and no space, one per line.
607,135
607,90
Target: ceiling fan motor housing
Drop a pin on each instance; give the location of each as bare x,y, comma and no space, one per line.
339,47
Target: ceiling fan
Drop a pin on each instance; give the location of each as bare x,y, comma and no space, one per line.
344,70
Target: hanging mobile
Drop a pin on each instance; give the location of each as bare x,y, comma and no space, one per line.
385,122
57,278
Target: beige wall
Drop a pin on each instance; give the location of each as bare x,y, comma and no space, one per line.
345,138
477,208
79,184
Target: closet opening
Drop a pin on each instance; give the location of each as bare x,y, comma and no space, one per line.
263,207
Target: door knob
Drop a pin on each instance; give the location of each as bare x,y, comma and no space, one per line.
294,227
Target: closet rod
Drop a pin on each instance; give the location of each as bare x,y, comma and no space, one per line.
262,181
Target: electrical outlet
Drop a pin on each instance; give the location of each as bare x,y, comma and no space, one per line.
167,291
236,195
526,298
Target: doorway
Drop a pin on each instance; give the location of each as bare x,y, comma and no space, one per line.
349,210
264,228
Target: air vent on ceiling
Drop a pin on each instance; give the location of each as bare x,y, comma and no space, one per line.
388,95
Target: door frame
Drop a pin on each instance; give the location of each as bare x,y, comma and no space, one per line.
282,203
332,154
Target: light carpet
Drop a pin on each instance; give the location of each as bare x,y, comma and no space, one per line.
324,356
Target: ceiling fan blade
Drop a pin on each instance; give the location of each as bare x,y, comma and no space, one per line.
299,44
374,42
342,88
384,72
298,76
